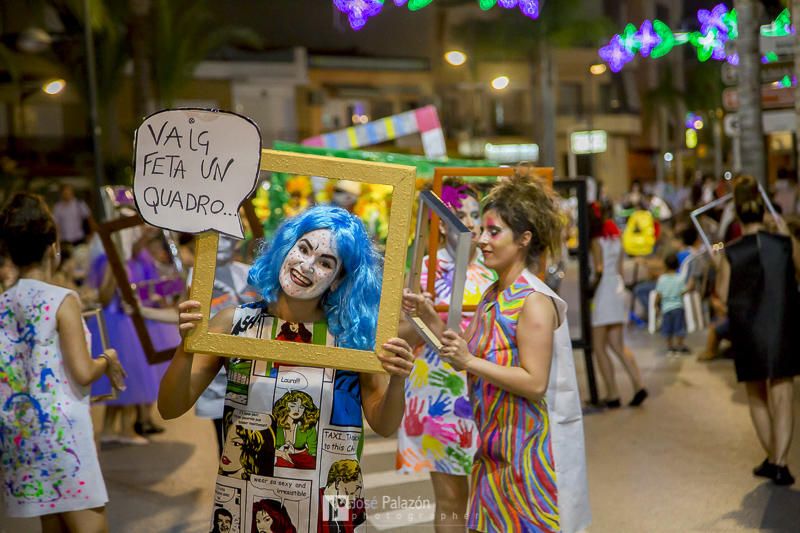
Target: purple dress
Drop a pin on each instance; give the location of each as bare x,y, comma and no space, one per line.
143,379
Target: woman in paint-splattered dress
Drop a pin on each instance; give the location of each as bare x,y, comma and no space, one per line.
48,458
529,473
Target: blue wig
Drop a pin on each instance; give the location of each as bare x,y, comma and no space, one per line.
352,309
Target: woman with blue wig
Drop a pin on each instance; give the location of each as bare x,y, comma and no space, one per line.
320,280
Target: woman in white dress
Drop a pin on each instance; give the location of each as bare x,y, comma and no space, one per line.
609,310
48,460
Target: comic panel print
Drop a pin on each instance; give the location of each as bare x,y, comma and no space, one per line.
296,411
277,504
249,447
238,380
227,508
341,493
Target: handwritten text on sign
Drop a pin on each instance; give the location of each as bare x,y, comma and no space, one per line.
193,168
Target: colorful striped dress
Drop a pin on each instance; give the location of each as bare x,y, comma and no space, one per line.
513,478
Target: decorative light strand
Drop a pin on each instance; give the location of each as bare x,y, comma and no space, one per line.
359,11
718,26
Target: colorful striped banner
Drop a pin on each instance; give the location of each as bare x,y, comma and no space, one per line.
424,121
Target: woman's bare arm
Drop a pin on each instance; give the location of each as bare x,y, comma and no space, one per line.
190,374
383,398
79,362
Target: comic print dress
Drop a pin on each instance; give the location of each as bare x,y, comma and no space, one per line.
438,431
293,438
48,459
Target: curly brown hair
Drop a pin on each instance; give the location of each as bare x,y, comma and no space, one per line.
527,204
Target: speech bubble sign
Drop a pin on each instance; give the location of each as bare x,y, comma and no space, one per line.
193,168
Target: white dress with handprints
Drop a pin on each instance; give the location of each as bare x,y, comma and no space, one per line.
48,458
293,437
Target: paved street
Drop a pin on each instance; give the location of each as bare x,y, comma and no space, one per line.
680,463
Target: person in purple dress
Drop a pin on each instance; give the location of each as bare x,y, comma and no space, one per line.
131,410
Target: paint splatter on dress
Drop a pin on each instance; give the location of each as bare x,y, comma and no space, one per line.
513,485
48,458
438,431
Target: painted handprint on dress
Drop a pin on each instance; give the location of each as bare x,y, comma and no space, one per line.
464,433
412,422
462,408
419,374
459,456
447,380
443,432
439,407
410,458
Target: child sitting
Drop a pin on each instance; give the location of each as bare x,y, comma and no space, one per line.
670,289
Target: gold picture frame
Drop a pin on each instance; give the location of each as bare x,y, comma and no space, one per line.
402,179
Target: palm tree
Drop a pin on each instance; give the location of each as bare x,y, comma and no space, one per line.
751,128
184,33
510,36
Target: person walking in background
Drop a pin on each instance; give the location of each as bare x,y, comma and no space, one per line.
609,310
70,215
669,297
47,451
758,282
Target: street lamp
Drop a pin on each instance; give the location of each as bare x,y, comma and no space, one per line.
500,83
598,69
455,58
53,87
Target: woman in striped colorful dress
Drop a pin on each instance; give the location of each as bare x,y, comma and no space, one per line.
529,473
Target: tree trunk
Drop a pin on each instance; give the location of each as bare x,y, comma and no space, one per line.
140,49
751,128
548,110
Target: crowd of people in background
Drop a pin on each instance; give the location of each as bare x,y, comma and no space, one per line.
731,271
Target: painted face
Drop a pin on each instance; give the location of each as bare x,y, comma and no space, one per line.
470,215
311,266
263,522
497,242
296,410
224,524
231,461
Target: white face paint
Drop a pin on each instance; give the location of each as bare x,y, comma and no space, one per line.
311,266
470,215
